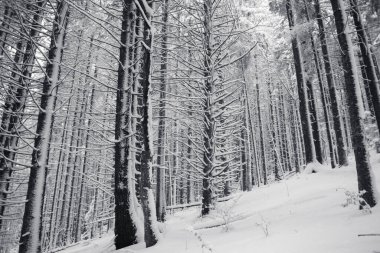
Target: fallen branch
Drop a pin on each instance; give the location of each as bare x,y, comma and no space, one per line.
369,235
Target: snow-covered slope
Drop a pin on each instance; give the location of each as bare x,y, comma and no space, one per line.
304,214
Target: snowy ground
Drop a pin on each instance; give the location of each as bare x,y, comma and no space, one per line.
303,214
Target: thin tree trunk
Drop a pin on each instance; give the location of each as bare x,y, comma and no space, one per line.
58,179
248,126
294,131
208,138
160,191
262,144
314,122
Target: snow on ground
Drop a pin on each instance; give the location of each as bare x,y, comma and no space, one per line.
298,215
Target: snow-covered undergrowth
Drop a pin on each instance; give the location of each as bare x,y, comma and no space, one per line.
306,213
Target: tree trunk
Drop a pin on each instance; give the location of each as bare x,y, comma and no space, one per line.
147,198
15,103
30,240
338,127
367,90
209,125
365,49
302,94
7,18
324,104
314,121
363,167
160,191
125,220
247,142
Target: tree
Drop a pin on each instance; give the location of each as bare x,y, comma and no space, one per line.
30,240
355,106
147,197
161,192
125,217
338,127
368,60
16,99
301,83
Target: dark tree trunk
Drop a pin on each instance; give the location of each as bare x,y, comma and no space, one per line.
323,99
147,198
125,227
302,94
208,138
366,86
369,65
363,167
338,127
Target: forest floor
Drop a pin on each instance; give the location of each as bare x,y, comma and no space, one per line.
303,214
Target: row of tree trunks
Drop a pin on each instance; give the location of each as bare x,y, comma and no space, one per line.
355,106
369,65
337,121
16,101
261,125
30,240
302,94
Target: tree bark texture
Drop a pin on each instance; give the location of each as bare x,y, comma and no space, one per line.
363,167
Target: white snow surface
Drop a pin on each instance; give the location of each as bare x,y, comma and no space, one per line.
300,214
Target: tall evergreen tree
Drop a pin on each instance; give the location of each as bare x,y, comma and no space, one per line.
31,232
301,83
366,183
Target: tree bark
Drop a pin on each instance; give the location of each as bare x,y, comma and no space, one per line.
337,121
31,232
314,122
160,191
125,223
366,54
147,198
363,167
16,101
208,138
302,94
262,143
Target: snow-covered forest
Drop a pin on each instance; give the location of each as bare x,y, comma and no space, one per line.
190,126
